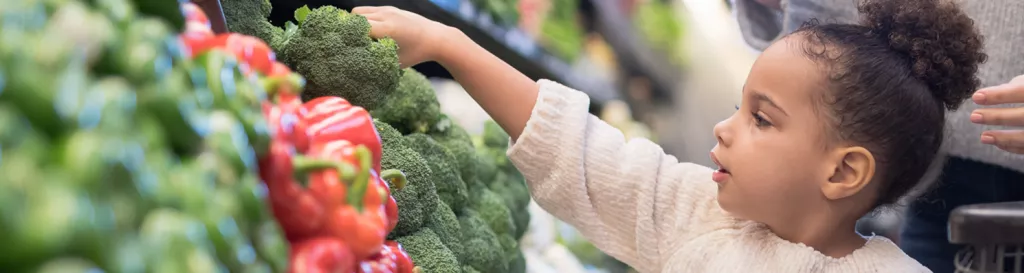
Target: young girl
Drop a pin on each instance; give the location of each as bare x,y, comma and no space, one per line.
836,121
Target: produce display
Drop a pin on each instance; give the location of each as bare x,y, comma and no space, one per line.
146,154
505,12
123,150
463,206
661,27
561,31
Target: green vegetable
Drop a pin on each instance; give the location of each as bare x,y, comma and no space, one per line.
445,224
333,50
450,187
429,253
249,17
454,138
413,107
483,250
492,210
419,197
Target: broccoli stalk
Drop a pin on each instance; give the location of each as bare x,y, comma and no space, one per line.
333,50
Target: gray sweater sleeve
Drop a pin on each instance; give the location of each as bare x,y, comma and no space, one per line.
761,25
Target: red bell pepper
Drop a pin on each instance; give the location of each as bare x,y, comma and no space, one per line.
297,211
355,214
382,262
333,118
402,261
321,255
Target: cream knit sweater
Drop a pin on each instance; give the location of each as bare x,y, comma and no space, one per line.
652,212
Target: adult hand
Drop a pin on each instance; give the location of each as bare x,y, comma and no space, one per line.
419,39
1013,92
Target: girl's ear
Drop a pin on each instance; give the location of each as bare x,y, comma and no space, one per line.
854,169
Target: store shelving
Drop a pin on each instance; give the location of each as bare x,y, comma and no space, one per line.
509,44
636,56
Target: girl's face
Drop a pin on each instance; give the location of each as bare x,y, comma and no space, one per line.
773,149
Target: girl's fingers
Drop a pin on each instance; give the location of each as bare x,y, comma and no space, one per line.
1012,92
364,10
380,29
1008,140
999,116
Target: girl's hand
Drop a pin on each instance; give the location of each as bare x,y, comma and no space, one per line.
1012,92
419,39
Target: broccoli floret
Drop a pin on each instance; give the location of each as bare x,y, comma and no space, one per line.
446,225
493,210
516,198
509,246
427,252
487,169
446,178
332,49
494,136
413,107
454,138
469,269
518,264
418,197
482,248
249,17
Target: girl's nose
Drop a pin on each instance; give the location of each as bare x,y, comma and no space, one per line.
722,133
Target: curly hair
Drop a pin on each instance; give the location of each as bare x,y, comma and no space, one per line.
891,78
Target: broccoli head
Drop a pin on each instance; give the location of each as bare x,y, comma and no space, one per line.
446,178
492,209
483,251
445,224
494,136
413,107
454,138
510,247
429,253
487,169
249,17
418,198
516,198
333,50
518,264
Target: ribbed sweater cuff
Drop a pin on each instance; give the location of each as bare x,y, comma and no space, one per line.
541,139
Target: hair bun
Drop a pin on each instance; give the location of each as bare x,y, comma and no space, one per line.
940,41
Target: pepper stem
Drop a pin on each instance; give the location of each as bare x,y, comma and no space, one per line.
394,177
303,164
361,180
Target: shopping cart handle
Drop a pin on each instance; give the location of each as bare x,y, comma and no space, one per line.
995,223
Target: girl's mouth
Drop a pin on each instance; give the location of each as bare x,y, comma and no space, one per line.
722,173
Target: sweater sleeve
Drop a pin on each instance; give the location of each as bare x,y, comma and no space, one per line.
624,196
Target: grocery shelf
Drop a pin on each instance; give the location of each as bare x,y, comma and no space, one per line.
508,44
632,52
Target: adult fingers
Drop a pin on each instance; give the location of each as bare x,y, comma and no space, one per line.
999,116
1012,92
1008,140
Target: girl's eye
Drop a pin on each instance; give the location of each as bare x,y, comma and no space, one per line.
760,121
